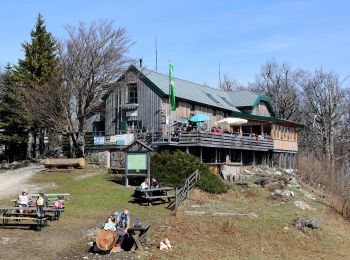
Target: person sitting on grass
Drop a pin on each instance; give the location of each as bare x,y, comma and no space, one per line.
122,224
144,184
109,225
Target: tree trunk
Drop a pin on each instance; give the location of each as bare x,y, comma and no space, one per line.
29,145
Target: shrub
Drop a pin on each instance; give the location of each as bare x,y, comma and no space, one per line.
172,169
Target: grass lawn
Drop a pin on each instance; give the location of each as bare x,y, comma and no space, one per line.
266,233
93,196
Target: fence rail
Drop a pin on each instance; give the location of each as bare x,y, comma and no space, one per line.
225,141
182,193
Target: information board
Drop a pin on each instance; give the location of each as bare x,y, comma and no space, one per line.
137,161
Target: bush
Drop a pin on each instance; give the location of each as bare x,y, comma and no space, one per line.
172,169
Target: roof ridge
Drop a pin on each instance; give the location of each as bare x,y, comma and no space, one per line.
204,86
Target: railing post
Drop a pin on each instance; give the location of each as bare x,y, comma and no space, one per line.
187,188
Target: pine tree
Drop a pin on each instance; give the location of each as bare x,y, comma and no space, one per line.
13,126
32,76
40,60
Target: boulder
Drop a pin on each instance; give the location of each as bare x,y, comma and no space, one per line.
262,182
282,193
302,205
312,223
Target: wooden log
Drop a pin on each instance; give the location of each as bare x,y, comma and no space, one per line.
65,163
106,239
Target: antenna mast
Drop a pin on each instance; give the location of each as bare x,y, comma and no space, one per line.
156,47
219,75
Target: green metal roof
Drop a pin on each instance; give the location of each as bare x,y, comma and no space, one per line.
265,118
187,90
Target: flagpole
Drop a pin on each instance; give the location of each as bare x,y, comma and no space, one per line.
169,120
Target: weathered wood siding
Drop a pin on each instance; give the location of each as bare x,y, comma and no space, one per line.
149,107
148,101
184,110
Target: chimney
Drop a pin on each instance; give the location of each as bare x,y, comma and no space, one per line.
140,60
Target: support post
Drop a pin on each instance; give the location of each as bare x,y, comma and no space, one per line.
241,158
216,155
280,160
290,161
201,153
187,149
254,158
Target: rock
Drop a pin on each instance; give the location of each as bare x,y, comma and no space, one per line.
289,171
282,193
262,182
293,183
302,205
247,172
312,223
278,173
309,195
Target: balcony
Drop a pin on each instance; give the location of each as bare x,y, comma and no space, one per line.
208,139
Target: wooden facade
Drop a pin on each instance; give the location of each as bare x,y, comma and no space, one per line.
135,105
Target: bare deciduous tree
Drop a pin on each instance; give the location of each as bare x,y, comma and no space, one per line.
280,83
93,57
324,98
229,84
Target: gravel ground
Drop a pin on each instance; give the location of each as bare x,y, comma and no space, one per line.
12,182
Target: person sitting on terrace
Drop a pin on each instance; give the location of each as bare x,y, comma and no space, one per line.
123,225
144,184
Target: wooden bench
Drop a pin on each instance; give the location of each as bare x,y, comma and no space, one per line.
138,233
41,222
154,194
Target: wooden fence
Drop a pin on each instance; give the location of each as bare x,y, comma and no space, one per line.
182,193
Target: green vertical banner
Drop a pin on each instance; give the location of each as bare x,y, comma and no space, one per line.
172,87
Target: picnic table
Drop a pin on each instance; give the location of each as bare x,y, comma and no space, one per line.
151,194
138,233
8,213
50,195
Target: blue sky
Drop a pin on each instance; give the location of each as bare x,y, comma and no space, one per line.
197,34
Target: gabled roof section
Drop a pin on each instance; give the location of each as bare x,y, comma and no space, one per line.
244,98
190,91
185,89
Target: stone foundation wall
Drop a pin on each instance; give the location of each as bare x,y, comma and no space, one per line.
99,158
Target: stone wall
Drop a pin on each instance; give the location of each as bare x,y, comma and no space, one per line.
102,158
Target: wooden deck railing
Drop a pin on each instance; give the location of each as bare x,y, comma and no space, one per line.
182,193
225,141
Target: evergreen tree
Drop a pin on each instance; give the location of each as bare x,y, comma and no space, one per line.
12,126
32,75
40,60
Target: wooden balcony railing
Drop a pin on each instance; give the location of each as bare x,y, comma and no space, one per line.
209,139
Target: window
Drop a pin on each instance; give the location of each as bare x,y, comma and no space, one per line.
226,101
191,107
213,98
214,112
133,94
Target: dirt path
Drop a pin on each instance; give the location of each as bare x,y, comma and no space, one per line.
12,182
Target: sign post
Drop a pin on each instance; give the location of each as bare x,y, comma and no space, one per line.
137,160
